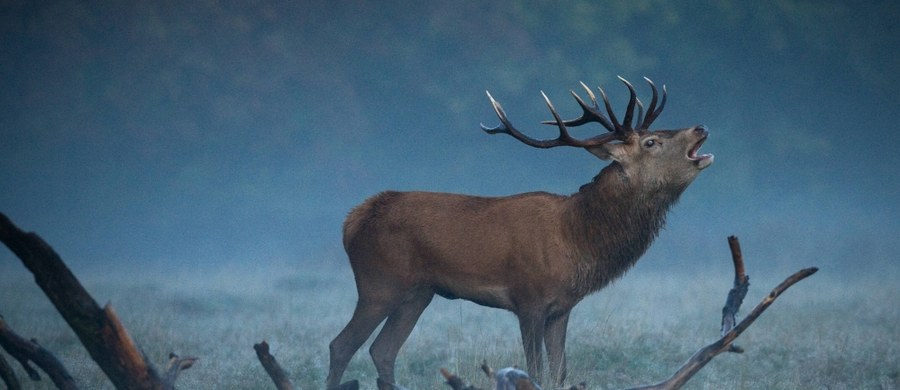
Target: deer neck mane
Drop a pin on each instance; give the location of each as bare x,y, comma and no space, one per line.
612,221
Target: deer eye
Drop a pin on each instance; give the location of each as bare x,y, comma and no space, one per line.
650,143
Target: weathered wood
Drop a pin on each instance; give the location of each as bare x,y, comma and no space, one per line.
282,382
8,375
455,382
98,329
176,365
29,350
737,293
707,353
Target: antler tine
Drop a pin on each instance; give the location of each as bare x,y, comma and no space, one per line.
506,127
609,110
590,93
563,132
564,139
652,111
640,114
645,124
629,112
589,113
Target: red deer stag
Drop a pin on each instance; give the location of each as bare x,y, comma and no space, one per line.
535,254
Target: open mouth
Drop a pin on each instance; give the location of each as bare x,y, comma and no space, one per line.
701,160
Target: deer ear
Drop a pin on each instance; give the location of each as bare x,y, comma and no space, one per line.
610,151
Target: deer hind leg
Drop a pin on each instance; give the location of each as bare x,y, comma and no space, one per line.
366,318
396,330
555,340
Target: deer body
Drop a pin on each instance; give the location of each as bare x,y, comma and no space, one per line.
535,254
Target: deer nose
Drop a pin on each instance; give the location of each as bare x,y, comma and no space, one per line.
701,129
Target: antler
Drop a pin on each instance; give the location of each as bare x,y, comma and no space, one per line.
564,138
591,113
653,111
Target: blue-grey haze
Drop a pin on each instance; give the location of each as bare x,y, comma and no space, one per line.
168,132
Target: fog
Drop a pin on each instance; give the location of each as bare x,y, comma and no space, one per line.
170,134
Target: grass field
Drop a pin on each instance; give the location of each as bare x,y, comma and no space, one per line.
824,333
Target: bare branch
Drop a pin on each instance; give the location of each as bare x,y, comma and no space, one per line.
176,365
707,353
737,258
737,293
24,351
8,376
99,329
455,382
282,382
487,369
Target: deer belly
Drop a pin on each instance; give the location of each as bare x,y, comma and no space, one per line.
491,296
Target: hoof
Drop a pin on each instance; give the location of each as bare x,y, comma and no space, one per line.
352,385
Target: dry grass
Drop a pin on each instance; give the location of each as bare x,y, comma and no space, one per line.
825,333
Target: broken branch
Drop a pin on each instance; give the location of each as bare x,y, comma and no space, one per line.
98,329
176,365
707,353
737,293
455,382
282,382
24,351
8,376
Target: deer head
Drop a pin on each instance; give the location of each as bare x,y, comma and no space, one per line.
653,157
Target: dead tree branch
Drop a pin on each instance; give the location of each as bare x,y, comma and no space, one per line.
730,333
7,375
455,382
174,367
737,293
24,351
99,329
282,382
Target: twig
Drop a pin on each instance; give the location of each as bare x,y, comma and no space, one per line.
24,351
282,382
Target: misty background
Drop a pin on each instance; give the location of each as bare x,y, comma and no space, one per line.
165,134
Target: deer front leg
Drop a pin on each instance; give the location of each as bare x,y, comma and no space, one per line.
555,340
532,327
